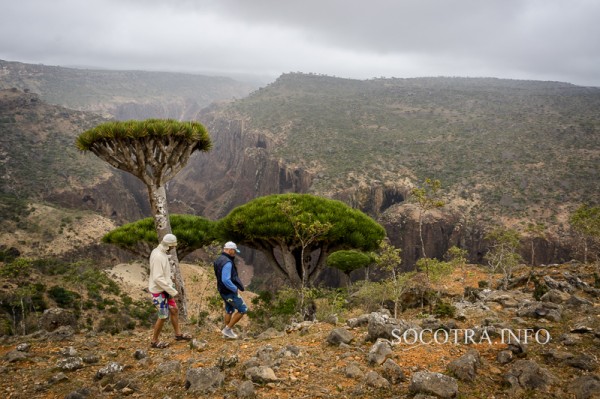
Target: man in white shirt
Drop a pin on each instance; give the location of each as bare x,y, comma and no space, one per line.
163,291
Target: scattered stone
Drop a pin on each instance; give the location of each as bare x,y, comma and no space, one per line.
505,356
558,285
392,372
15,356
373,379
582,362
353,370
379,352
332,319
574,300
170,367
437,384
569,339
546,310
227,362
518,348
338,336
56,378
265,355
69,352
555,296
54,318
81,393
91,359
382,326
528,375
23,347
140,354
465,367
261,375
198,344
585,387
203,380
289,351
70,364
110,369
361,320
246,390
270,333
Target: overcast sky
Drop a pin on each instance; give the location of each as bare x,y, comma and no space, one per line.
517,39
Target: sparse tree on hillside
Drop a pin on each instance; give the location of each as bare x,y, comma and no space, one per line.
586,222
139,237
265,225
389,258
155,151
348,261
427,198
504,252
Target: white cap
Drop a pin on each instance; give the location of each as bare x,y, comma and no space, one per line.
170,240
231,245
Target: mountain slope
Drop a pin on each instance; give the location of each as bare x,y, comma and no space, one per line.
122,94
515,149
39,161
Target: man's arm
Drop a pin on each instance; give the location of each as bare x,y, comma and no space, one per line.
226,278
161,279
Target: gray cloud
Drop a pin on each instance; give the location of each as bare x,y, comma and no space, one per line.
521,39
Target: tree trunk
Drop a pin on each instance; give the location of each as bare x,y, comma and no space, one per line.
158,204
290,268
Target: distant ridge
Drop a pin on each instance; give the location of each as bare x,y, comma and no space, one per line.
122,94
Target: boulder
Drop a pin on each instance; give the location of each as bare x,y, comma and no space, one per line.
465,367
437,384
203,380
528,375
54,318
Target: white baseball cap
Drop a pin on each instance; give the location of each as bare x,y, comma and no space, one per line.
170,240
231,245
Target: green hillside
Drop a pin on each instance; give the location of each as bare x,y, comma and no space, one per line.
516,148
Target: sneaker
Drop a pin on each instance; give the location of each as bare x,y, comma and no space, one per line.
228,332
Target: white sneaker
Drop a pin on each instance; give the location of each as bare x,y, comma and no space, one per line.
228,332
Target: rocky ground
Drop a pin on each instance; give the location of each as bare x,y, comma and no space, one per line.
360,356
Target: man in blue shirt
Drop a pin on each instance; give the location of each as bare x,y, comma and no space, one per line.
229,286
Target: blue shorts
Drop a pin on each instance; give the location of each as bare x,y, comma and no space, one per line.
234,302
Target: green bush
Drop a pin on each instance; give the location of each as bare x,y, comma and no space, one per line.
144,311
444,309
371,295
539,289
274,311
114,324
63,297
17,268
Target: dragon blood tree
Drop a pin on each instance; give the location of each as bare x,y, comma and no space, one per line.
153,150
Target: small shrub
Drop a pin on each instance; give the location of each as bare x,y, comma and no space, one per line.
63,297
483,284
144,311
115,324
19,267
444,309
276,312
539,289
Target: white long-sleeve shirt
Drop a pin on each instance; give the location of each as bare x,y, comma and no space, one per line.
160,272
